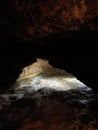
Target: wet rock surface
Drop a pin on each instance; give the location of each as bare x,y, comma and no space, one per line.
47,109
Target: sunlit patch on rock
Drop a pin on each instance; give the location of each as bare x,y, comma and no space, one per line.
43,75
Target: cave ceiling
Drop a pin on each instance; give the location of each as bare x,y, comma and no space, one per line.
26,19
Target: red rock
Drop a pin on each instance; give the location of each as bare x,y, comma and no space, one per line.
28,19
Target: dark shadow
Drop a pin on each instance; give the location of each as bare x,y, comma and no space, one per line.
76,52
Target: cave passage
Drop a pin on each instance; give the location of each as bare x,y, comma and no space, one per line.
75,52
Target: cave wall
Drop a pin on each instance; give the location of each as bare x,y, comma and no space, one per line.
26,19
30,29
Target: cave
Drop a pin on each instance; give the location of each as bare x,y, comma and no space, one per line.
66,34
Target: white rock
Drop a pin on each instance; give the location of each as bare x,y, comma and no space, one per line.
42,75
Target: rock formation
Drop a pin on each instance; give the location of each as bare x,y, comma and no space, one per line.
39,67
42,75
28,19
59,101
